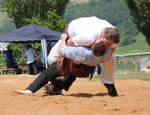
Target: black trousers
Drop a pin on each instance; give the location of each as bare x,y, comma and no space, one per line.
51,74
32,68
11,64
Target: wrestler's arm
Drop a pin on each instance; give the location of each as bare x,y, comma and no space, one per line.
83,55
64,43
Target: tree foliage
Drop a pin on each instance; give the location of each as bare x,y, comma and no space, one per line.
53,21
5,23
140,11
19,10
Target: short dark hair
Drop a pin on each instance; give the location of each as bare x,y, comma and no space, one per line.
29,46
112,34
8,47
99,48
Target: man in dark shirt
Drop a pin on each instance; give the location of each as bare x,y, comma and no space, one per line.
9,57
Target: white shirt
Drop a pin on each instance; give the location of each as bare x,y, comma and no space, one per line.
30,55
84,31
54,53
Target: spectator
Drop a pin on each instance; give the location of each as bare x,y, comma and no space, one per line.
32,57
98,69
9,57
49,47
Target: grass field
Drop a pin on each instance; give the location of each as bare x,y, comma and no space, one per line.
140,76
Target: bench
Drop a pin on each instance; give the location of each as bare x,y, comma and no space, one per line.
23,67
5,71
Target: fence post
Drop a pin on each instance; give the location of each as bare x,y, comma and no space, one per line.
136,64
122,64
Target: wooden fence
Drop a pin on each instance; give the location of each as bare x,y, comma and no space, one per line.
132,62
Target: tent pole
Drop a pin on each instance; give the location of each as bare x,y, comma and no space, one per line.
23,49
44,49
1,62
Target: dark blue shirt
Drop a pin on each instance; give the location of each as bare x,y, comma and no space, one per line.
9,55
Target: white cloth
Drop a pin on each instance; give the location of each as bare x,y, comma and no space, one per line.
54,53
30,55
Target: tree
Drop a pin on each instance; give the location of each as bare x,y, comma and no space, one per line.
53,21
19,10
139,10
5,23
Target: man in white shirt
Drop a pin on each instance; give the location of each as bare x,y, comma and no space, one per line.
31,60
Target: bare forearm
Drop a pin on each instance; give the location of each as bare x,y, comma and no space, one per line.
63,42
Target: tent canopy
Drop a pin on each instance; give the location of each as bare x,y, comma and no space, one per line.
30,33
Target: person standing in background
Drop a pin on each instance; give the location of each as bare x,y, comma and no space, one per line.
32,57
9,57
49,47
98,69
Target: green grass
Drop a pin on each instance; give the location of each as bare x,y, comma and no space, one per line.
139,76
127,67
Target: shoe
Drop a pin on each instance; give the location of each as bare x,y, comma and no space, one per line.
51,90
111,90
24,92
58,92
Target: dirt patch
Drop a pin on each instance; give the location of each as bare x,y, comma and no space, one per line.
83,98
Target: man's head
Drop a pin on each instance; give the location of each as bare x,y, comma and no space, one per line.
111,36
8,47
29,46
99,48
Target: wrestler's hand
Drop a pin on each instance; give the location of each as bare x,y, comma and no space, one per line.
63,36
63,42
